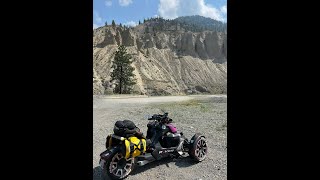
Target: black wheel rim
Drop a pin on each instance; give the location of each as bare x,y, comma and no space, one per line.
119,166
201,149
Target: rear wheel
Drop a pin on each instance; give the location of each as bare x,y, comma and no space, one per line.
198,150
118,167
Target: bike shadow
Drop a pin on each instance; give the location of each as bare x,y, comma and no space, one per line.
97,174
180,162
185,162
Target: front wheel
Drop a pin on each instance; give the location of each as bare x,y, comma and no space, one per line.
198,148
118,167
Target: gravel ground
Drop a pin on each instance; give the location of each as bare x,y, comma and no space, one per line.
206,114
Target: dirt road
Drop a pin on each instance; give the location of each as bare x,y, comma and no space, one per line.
206,114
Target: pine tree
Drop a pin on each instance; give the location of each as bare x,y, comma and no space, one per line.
106,23
113,23
139,22
123,71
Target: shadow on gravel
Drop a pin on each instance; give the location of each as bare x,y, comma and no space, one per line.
180,162
185,162
97,174
154,164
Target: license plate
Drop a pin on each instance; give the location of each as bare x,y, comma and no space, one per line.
102,162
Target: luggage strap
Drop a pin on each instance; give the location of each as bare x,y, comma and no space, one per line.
134,147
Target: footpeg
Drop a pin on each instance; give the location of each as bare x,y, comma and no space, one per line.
142,163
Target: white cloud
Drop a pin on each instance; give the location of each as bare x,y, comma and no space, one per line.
171,9
131,23
224,9
108,3
125,2
97,17
98,21
168,8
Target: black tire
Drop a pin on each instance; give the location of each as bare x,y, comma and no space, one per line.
198,148
113,171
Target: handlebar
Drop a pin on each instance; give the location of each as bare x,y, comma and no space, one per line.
160,117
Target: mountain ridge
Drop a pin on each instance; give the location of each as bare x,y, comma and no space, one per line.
168,58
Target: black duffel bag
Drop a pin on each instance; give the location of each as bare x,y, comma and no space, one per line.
125,128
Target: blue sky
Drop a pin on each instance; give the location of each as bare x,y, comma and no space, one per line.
129,12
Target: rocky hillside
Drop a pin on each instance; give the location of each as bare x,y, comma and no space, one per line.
168,57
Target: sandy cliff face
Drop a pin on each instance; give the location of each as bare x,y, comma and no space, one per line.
166,62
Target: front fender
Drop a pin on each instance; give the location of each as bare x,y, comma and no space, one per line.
106,155
194,138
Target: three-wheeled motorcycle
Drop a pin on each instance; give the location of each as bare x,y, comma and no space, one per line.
126,150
